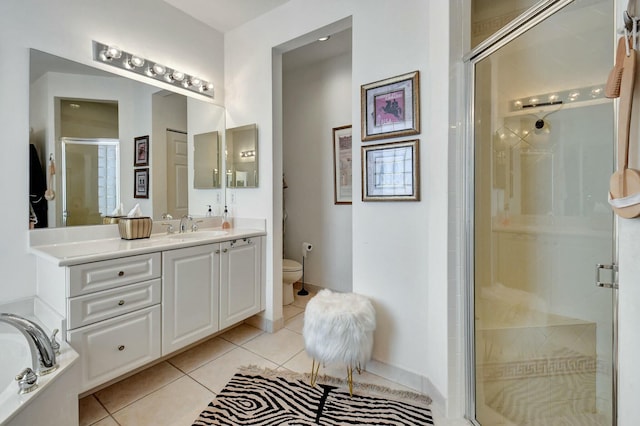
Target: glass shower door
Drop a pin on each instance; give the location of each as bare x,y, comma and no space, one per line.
543,155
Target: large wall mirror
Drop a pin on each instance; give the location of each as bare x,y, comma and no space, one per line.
242,157
74,102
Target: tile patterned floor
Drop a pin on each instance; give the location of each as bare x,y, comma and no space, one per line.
175,391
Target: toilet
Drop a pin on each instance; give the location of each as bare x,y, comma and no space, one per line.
291,272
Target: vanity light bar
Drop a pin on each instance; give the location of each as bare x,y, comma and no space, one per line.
118,58
566,96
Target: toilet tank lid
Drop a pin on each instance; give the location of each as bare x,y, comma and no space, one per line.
289,265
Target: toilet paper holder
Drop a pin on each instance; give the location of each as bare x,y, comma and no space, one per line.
306,248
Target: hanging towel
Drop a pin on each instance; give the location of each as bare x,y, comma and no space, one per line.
37,186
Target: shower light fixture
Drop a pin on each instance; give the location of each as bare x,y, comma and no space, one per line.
106,54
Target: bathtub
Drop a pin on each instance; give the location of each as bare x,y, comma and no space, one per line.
55,401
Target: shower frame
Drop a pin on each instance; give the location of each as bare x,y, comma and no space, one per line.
526,21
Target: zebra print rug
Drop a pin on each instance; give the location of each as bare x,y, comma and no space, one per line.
272,398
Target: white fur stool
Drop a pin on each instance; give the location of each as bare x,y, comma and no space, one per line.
338,327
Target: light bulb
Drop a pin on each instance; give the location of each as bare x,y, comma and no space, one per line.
137,61
114,52
159,69
177,75
127,63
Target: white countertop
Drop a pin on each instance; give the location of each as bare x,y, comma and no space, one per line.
77,252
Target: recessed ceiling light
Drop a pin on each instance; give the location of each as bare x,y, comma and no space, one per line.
325,38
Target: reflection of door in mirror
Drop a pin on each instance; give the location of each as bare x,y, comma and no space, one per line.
88,132
177,174
90,184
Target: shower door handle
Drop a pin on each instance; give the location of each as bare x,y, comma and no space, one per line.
614,276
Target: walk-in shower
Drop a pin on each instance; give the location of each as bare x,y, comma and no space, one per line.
542,149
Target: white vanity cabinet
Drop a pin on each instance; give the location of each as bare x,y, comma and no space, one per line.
190,295
113,315
208,288
128,303
240,280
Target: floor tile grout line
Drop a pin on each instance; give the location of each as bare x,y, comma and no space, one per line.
146,395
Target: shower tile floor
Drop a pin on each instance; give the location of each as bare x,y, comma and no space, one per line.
175,391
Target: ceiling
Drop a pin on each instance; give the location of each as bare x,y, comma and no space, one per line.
225,15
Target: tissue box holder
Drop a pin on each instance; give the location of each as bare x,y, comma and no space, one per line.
133,228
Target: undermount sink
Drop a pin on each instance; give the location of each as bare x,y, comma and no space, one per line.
200,235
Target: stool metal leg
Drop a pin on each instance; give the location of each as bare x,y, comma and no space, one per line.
315,368
350,379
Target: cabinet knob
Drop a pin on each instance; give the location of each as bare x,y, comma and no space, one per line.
121,273
120,303
121,348
225,250
217,251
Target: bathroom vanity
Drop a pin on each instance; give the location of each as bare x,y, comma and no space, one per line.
130,302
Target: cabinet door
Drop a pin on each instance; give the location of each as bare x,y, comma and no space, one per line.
116,346
240,278
190,285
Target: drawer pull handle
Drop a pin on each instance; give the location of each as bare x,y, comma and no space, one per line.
217,251
120,303
121,348
121,273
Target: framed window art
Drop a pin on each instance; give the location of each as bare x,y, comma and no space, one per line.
342,167
391,107
391,172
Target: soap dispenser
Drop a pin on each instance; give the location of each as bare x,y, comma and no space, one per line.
226,220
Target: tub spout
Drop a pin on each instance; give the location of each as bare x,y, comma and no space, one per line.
43,356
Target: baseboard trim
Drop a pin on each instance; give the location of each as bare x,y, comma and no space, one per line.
406,378
264,324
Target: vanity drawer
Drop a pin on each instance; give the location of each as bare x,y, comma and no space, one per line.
94,307
91,277
113,347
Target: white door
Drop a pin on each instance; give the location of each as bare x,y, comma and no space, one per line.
177,174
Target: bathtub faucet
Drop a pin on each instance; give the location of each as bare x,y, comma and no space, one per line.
43,349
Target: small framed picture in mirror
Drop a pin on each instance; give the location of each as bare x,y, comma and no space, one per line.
141,151
141,183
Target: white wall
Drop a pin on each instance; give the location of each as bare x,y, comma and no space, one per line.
203,118
316,98
399,249
629,282
66,28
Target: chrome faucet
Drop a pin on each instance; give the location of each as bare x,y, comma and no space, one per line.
43,349
184,221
